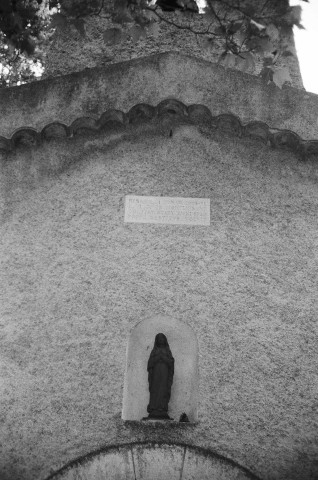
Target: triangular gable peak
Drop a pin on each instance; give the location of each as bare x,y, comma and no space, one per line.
30,110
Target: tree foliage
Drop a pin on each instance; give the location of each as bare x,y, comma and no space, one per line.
24,34
244,31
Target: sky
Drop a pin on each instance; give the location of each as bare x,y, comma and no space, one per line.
307,44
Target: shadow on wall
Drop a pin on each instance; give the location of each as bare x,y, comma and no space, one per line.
184,347
12,472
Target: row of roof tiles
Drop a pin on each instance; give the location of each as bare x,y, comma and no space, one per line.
173,109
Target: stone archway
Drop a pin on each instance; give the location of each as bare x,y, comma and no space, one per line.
153,461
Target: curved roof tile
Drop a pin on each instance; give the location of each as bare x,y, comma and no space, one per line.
196,114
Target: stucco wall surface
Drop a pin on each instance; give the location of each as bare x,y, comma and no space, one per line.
150,80
76,279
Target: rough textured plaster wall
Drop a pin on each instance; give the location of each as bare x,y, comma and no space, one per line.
76,279
151,80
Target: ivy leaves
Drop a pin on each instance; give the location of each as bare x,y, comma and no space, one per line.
115,35
61,22
133,24
253,37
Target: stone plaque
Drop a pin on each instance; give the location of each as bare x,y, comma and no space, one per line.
168,210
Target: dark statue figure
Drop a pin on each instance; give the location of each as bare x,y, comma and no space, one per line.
160,376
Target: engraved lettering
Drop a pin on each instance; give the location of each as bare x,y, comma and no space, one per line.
167,210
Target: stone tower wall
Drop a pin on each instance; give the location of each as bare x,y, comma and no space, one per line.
71,51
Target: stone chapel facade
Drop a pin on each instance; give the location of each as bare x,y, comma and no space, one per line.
85,291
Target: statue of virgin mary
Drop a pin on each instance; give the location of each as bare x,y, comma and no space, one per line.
160,376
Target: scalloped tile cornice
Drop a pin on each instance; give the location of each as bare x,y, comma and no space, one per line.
173,109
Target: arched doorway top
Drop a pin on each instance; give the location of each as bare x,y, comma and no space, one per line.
153,461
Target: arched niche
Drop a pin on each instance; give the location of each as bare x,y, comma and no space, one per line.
184,347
